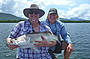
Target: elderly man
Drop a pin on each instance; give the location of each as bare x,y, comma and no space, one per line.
29,26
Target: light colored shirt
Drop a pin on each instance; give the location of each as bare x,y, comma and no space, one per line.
25,27
58,28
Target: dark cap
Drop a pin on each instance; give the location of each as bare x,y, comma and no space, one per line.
53,11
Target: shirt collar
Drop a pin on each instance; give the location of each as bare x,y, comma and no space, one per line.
49,22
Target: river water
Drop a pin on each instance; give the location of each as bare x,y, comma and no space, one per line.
80,36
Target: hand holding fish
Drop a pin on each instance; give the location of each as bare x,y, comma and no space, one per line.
11,46
69,48
44,42
32,40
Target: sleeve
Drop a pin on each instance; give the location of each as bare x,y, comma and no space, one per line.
15,31
65,35
48,29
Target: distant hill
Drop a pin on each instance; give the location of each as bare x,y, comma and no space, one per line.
73,19
9,18
77,18
4,16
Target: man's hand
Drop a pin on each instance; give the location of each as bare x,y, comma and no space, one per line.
69,48
11,47
44,42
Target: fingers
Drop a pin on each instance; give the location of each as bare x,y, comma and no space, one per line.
38,41
12,46
8,40
41,43
69,49
43,38
44,42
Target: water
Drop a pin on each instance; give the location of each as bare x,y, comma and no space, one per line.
80,36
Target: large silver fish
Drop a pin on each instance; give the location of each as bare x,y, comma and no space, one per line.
28,40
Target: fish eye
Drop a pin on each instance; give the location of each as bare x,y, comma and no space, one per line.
11,41
15,39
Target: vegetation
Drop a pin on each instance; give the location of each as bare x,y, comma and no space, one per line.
10,21
9,18
71,21
64,21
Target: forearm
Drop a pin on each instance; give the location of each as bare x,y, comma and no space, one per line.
66,37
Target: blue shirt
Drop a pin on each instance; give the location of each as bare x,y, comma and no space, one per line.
24,27
58,29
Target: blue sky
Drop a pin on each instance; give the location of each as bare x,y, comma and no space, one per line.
66,8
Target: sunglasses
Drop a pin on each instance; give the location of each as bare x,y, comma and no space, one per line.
33,13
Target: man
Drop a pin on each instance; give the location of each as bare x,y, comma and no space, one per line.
58,29
29,26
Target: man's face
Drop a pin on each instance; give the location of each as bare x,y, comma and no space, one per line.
52,18
34,17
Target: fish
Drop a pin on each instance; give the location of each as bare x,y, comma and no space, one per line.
28,40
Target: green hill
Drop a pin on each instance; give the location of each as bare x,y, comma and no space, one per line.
9,18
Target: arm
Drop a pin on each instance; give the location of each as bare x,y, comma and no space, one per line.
14,33
66,38
65,35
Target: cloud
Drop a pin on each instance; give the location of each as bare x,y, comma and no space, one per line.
83,10
70,7
57,2
16,6
12,6
7,6
0,1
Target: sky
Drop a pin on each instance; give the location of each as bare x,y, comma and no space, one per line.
65,8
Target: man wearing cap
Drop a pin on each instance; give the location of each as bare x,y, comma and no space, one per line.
29,26
58,29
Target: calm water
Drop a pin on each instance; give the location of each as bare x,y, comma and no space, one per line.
80,36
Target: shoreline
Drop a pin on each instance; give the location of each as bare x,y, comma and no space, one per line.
64,21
